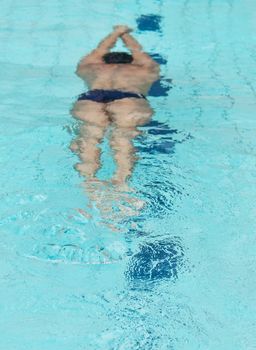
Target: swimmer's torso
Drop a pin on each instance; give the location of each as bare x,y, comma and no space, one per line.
124,77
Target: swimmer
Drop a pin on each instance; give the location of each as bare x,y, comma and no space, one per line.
118,84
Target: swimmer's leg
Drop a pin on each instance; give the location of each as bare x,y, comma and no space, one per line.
126,114
124,153
90,136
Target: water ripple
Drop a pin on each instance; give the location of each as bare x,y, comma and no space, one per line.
156,260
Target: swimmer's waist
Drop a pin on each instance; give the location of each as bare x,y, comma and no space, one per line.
106,96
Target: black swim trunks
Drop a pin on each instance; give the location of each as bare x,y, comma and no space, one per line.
105,96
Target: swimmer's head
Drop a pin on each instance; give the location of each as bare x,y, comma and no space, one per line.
117,58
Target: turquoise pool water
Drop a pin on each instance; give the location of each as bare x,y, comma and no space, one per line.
179,273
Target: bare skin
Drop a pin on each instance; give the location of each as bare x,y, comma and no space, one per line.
124,115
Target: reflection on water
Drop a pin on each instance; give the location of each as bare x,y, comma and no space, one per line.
160,88
85,254
114,204
158,188
149,23
158,58
163,142
156,260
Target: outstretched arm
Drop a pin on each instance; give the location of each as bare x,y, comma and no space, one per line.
139,57
104,46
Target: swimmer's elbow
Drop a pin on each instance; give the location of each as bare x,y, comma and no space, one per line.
79,70
82,65
153,66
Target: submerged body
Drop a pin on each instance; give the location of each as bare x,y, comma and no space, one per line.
116,97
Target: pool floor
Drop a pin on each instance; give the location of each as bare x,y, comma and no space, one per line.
175,273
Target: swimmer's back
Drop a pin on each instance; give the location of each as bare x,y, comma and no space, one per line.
124,77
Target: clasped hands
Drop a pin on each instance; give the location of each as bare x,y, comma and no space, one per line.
122,29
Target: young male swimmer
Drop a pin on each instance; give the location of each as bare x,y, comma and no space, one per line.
118,83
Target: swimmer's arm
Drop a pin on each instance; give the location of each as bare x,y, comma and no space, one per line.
104,46
139,57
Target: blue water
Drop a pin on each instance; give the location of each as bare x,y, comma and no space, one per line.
177,273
